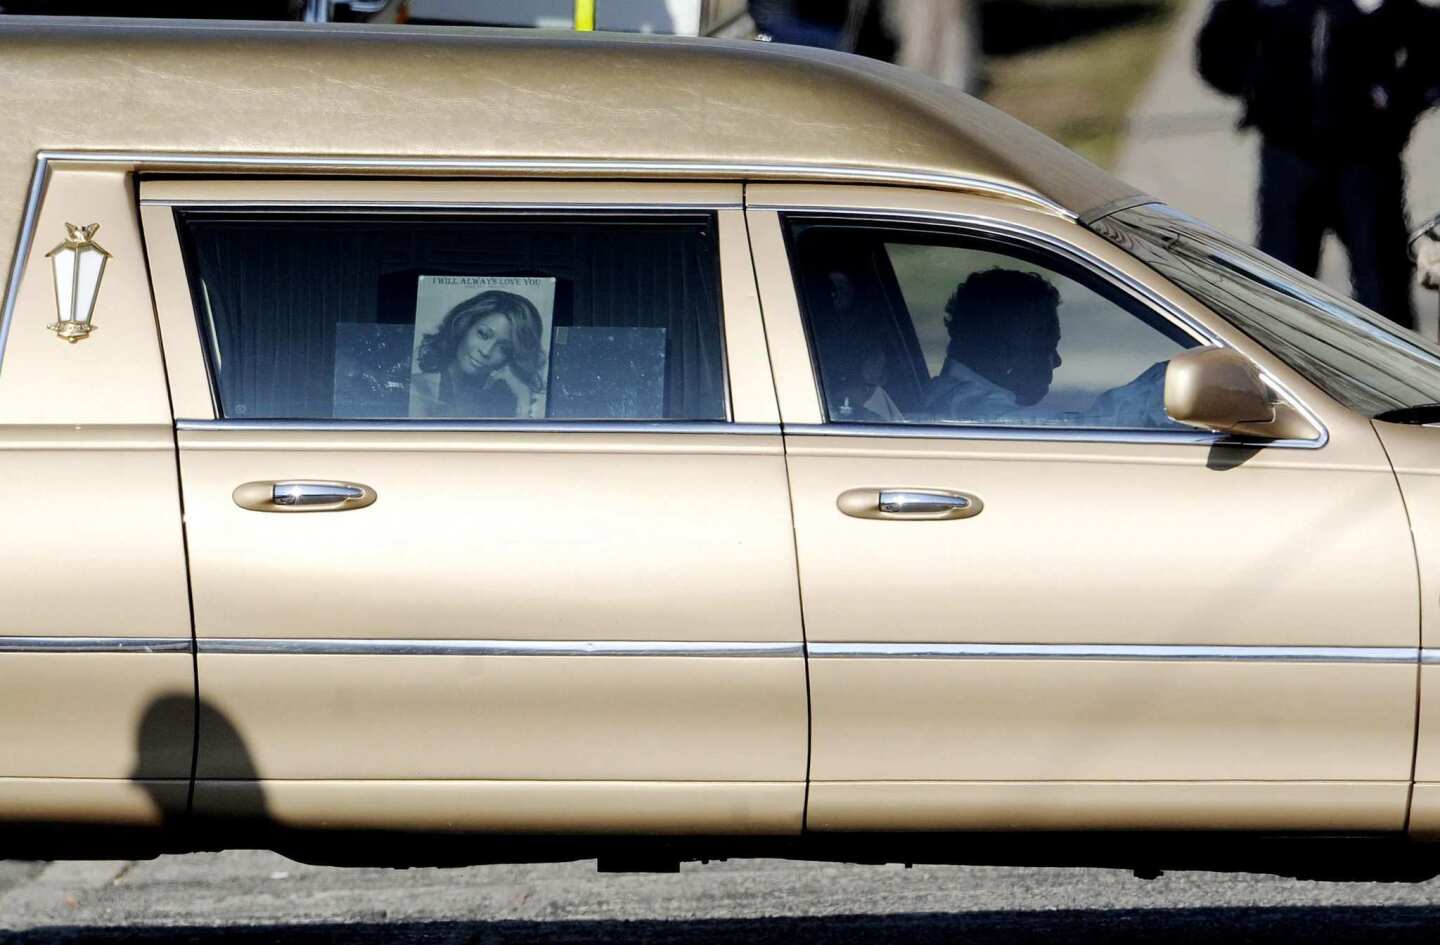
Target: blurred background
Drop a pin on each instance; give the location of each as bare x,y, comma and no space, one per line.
1115,80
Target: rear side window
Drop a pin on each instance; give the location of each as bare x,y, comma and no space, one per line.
338,315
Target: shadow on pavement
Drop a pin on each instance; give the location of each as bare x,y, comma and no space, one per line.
1341,925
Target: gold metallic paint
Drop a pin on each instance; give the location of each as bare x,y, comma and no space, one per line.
538,718
1107,805
93,543
284,90
99,802
713,808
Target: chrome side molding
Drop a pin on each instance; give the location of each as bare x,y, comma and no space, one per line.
391,647
95,645
400,424
1118,651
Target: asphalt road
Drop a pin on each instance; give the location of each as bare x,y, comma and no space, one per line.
264,899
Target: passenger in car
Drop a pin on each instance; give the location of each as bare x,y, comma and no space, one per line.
1004,327
852,356
483,360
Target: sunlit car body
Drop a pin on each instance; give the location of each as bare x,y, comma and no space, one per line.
704,590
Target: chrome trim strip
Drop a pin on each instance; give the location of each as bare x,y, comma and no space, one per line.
655,648
1121,279
388,647
981,432
374,207
487,426
95,645
799,172
1116,651
1430,657
23,242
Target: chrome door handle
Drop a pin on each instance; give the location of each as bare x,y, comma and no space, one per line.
919,505
297,495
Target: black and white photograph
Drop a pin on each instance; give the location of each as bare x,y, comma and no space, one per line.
481,346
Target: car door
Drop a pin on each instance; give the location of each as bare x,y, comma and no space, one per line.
485,505
96,673
1033,601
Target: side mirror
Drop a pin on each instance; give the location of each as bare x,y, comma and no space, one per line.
1217,389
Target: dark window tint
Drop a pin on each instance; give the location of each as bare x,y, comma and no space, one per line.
319,316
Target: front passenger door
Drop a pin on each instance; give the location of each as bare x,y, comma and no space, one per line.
1115,621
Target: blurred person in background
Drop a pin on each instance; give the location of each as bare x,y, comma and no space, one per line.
940,38
1334,88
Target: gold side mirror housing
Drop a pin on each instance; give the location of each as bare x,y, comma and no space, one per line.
1217,389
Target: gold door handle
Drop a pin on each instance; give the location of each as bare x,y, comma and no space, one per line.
302,495
913,505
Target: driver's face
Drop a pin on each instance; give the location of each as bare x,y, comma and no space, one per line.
1033,361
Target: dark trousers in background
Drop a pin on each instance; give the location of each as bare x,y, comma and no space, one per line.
1361,200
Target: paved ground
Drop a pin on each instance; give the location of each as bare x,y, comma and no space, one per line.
1184,149
262,898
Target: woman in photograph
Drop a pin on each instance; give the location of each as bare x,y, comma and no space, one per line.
483,361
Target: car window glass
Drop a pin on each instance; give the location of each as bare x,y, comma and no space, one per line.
917,325
1360,358
323,316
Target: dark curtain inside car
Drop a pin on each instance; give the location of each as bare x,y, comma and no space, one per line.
271,290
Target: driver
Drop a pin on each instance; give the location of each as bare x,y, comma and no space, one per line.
1004,327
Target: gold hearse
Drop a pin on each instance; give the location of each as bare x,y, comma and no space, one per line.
439,446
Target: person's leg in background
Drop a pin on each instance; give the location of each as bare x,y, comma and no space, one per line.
1371,223
1294,207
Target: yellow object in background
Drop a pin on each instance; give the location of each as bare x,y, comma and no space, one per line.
585,15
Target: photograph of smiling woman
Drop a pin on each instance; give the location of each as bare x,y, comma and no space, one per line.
484,360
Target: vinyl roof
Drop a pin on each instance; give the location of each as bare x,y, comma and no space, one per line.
435,92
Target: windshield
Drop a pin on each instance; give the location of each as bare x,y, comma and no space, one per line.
1357,357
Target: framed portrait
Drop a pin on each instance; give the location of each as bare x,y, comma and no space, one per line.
481,346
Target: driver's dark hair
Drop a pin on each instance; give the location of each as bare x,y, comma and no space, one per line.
994,306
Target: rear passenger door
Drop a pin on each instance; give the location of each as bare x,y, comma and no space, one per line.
486,506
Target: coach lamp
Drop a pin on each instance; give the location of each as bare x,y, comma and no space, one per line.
79,263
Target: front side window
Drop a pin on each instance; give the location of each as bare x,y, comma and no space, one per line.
330,315
923,325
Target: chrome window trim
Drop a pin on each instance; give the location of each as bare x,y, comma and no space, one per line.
395,647
921,431
95,645
209,341
530,207
23,241
1119,279
1123,652
398,424
739,170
